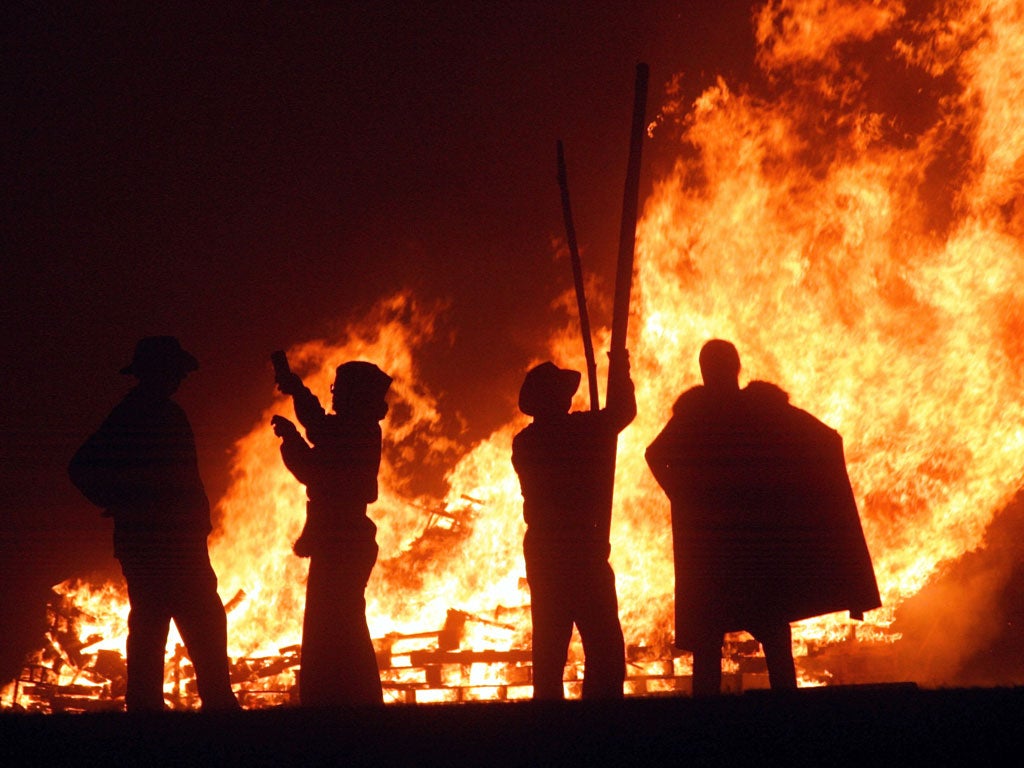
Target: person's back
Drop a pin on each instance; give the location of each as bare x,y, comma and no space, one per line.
564,466
150,456
565,460
340,469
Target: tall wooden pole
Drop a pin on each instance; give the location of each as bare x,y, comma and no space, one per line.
623,285
627,233
577,274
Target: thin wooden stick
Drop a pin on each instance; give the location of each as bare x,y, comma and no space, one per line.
627,233
577,275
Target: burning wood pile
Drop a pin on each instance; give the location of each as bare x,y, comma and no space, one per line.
72,674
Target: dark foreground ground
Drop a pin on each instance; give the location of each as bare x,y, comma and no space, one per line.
866,726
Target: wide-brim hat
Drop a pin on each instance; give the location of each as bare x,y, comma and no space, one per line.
160,354
545,385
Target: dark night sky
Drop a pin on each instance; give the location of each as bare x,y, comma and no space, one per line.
250,176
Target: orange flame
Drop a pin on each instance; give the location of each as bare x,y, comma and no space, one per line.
884,301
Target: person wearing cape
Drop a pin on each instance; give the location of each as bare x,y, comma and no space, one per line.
765,527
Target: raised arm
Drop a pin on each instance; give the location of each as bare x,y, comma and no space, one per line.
307,406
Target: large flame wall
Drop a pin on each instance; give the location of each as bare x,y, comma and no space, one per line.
870,267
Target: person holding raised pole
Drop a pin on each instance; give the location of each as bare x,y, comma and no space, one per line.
565,462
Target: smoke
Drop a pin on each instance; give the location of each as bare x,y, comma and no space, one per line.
964,628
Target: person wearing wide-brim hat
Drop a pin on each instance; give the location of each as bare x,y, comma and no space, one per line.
565,462
141,468
339,467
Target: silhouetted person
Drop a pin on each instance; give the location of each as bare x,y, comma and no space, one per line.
339,470
565,462
764,523
141,468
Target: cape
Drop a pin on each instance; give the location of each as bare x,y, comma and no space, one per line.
764,520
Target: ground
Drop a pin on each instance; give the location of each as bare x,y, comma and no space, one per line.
868,725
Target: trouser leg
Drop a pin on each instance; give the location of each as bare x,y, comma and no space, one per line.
707,666
552,630
202,623
148,622
551,634
597,617
777,642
